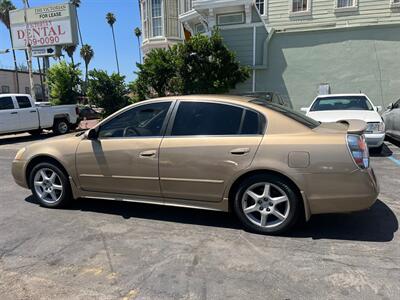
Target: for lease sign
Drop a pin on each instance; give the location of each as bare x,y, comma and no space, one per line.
46,26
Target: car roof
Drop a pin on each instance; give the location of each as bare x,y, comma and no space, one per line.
339,95
209,97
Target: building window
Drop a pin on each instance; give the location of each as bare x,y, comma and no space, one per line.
345,3
230,19
199,28
300,6
261,6
5,89
156,16
145,20
395,3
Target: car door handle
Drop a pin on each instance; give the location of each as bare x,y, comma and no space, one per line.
240,151
148,153
32,111
14,113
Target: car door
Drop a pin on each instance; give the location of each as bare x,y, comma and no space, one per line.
28,115
124,157
395,119
206,144
8,115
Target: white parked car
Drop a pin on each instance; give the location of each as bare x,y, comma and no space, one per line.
341,107
18,113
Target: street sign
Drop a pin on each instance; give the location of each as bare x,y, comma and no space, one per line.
46,26
45,51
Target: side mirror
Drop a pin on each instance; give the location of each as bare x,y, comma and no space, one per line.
390,106
304,109
92,134
378,108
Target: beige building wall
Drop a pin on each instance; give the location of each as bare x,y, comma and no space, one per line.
8,83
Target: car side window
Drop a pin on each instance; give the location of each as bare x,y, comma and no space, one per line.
6,103
396,105
23,102
202,118
140,121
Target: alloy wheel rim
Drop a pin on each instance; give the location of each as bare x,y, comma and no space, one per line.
48,185
62,127
265,205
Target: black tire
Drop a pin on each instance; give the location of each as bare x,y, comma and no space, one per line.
63,198
294,200
377,150
37,132
61,126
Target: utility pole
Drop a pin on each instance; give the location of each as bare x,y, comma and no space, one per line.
29,46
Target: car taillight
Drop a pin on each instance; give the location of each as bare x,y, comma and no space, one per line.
358,150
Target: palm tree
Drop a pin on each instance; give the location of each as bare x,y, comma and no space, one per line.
87,54
110,17
70,49
77,3
5,7
138,34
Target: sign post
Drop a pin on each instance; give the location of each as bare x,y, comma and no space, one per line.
43,27
32,84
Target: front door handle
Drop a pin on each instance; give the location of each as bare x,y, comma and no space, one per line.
240,151
148,153
32,111
14,113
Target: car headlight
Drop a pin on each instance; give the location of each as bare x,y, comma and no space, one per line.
19,154
375,127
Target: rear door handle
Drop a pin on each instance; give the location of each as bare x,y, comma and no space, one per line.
240,151
14,113
148,153
33,111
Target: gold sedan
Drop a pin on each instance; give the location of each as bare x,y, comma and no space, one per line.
270,165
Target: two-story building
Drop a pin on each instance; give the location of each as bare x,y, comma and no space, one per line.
297,48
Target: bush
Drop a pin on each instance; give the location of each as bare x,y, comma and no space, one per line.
107,91
64,83
200,65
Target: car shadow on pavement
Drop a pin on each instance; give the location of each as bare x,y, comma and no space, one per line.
16,139
378,224
386,152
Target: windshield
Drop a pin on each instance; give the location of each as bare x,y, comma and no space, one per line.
342,103
288,112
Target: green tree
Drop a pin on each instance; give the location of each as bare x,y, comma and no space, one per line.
110,17
158,75
63,80
5,7
201,65
107,91
87,54
138,34
208,66
70,49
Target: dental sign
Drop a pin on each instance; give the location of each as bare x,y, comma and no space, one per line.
46,26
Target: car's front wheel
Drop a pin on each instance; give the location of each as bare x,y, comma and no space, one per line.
50,185
267,204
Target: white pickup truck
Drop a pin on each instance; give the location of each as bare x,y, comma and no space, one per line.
19,113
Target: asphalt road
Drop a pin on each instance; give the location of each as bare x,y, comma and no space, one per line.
108,250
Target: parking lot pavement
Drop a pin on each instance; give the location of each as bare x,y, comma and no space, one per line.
108,250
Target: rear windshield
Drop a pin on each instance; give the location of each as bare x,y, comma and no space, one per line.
342,103
288,112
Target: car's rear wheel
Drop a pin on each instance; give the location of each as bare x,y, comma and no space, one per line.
267,204
50,185
61,126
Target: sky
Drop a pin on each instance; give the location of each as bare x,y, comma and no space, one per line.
95,32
